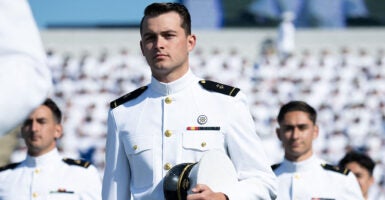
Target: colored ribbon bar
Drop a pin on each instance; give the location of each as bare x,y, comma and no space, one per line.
206,128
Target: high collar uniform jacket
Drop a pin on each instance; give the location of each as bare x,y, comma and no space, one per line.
167,124
50,177
313,179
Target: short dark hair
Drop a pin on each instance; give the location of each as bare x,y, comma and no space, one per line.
361,158
54,109
297,106
156,9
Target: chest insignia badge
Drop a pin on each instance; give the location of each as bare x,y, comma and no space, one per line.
202,119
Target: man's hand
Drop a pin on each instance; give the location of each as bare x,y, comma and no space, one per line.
203,192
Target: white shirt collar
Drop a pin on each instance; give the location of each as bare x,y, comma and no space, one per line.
304,165
173,87
43,160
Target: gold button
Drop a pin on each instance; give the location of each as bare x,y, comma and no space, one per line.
168,100
168,133
296,176
37,171
135,147
34,195
203,144
167,166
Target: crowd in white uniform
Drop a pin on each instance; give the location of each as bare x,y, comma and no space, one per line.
344,85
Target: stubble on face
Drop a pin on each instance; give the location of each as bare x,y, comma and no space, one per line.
166,46
40,131
297,133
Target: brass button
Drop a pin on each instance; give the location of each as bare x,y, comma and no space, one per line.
135,147
37,171
168,133
296,176
167,166
34,195
203,144
168,100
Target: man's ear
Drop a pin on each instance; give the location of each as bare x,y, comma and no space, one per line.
277,131
191,40
141,47
58,131
315,132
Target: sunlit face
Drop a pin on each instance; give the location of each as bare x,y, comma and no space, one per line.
40,131
297,133
166,46
363,176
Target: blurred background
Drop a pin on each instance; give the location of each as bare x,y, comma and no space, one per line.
332,56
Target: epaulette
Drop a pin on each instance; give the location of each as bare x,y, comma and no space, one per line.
9,166
127,97
219,87
275,166
81,163
336,169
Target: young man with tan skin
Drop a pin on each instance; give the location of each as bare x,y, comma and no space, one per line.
44,174
177,118
302,175
362,166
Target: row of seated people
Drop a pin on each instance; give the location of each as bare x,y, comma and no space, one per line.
345,87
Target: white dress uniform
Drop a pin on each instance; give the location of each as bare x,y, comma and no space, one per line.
161,125
50,177
313,179
25,79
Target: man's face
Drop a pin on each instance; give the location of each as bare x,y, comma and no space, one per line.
166,46
363,176
297,133
40,131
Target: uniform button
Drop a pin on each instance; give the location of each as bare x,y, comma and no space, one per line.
37,171
167,166
135,147
34,195
203,144
168,100
168,133
296,176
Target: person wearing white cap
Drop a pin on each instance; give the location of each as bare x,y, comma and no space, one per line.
25,79
302,175
177,118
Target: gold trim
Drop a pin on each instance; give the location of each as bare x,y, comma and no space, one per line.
180,181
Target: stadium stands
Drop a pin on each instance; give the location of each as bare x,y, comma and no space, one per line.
339,72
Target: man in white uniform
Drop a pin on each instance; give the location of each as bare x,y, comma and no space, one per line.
25,79
44,174
302,175
177,118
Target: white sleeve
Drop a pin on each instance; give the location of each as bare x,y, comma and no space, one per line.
116,179
256,178
25,79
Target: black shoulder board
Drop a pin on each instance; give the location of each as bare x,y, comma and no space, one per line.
219,87
275,166
127,97
9,166
81,163
336,169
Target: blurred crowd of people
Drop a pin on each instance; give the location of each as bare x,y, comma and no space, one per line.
344,86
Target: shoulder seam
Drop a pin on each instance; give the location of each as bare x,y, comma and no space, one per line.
219,87
127,97
79,162
275,166
9,166
337,169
